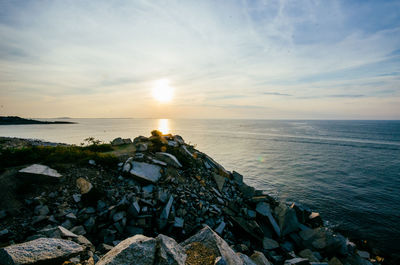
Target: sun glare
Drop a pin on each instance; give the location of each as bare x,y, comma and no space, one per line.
163,126
162,91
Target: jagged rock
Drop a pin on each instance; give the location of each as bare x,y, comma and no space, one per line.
212,241
237,177
66,233
287,219
145,172
169,252
41,210
40,251
269,243
79,230
87,190
179,222
138,250
220,180
259,258
165,213
220,228
245,259
39,173
134,209
308,254
264,210
247,190
297,261
169,159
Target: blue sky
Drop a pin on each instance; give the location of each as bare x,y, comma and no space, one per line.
224,59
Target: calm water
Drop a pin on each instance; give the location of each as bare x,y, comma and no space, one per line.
349,171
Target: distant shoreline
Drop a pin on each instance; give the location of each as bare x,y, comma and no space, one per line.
15,120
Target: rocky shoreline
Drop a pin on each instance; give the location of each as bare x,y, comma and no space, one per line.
164,203
15,120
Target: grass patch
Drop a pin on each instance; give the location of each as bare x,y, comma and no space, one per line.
57,155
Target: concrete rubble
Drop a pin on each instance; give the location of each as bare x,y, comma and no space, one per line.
169,203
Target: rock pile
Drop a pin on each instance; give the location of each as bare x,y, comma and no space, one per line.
168,192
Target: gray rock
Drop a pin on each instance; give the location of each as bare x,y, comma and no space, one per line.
76,197
220,261
145,172
363,254
39,173
297,261
259,258
247,190
287,219
65,232
245,259
92,162
117,141
141,147
139,250
42,210
134,209
308,254
118,216
269,243
71,216
220,228
263,209
90,224
40,251
169,159
165,212
220,180
169,252
148,188
179,222
212,241
79,230
237,177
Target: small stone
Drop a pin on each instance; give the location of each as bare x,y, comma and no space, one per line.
308,254
178,222
65,232
3,214
363,254
76,197
79,230
134,209
335,261
71,216
118,216
269,243
42,210
83,185
220,228
259,258
92,162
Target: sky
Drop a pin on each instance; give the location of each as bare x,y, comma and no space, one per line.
266,59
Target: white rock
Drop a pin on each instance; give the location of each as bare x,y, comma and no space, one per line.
37,172
146,172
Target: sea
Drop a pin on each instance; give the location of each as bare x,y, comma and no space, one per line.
348,171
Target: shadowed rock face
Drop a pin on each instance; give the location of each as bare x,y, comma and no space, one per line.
39,251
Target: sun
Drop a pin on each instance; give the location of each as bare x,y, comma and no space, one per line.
162,91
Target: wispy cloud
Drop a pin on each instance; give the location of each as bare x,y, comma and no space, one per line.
229,54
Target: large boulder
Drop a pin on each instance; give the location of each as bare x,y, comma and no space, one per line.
139,250
213,241
39,173
169,252
40,251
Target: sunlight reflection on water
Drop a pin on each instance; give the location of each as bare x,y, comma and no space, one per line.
163,126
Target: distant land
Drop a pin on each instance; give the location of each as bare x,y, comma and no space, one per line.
15,120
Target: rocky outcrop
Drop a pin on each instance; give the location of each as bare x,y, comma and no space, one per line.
164,192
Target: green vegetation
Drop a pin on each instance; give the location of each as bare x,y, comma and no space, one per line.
58,155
